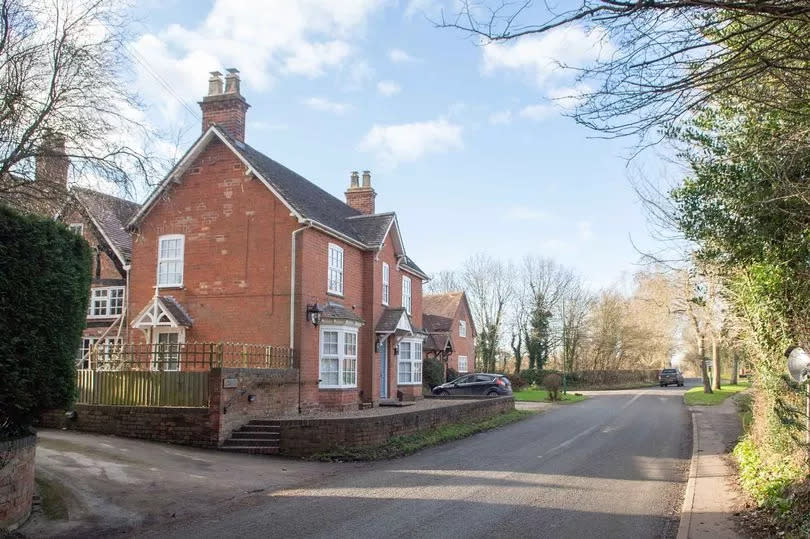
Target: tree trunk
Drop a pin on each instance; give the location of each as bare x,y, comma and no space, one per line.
707,387
715,366
735,365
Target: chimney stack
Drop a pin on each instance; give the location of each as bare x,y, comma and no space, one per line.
51,162
361,198
226,109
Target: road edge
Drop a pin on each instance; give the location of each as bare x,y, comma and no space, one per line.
689,496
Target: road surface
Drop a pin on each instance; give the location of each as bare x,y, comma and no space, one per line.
612,466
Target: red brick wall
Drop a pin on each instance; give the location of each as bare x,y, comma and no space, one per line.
16,481
303,437
237,253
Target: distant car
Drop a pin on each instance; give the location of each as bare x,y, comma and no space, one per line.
490,385
670,376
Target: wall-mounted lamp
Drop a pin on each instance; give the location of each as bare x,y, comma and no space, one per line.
314,313
251,398
396,349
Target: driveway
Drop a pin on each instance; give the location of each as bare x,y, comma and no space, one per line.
613,466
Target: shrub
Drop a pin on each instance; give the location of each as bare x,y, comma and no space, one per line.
553,383
529,376
451,374
44,290
517,381
432,372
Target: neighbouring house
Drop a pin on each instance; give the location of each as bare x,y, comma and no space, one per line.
101,219
451,331
233,246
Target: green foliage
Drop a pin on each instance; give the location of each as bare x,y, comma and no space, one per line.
44,290
401,446
452,374
541,395
764,477
432,373
538,335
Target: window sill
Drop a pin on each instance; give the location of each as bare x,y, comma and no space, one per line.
170,287
335,294
409,384
337,388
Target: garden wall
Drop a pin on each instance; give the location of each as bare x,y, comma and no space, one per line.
302,437
16,480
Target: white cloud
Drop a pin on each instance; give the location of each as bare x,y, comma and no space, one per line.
388,88
500,118
325,105
542,57
399,56
585,230
265,39
538,112
398,143
524,213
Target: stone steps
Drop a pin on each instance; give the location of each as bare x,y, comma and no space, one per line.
257,437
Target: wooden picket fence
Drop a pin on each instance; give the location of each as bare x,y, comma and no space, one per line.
143,388
166,374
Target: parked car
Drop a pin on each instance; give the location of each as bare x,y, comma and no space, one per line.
491,385
670,376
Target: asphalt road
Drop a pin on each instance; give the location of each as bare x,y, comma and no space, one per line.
612,466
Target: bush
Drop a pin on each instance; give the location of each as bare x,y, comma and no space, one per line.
553,383
451,374
432,372
517,381
44,290
529,376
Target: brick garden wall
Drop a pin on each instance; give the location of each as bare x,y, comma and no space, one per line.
302,437
16,480
187,426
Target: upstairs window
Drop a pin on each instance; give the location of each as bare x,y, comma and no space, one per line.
76,228
386,283
335,273
106,302
406,294
462,328
170,260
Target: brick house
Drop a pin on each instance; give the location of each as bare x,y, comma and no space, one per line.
451,331
233,246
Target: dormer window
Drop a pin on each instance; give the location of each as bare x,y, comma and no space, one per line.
170,260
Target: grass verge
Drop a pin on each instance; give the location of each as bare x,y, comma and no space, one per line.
52,499
696,396
401,446
541,395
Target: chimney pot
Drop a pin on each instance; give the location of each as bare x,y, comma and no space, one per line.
232,81
355,180
366,178
215,83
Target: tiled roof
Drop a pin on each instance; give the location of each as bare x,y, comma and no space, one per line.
388,320
335,311
176,310
112,214
372,228
408,263
437,342
445,305
434,322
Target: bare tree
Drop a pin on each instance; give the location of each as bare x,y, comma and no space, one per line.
443,281
489,286
573,310
666,57
66,99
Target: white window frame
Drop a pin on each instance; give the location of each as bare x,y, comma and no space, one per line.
406,293
463,359
334,269
105,300
180,259
386,283
462,328
413,359
77,228
346,361
158,364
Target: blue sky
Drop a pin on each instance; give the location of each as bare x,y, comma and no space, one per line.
468,144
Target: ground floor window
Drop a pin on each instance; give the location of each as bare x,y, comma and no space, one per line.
95,352
462,364
167,350
409,361
338,358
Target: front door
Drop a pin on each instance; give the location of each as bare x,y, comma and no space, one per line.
384,369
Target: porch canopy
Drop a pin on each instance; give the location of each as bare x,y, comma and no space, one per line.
162,312
396,323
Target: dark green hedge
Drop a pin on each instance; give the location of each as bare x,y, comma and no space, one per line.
44,289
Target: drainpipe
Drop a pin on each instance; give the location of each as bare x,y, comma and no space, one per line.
292,301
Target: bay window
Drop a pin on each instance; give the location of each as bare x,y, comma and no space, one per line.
409,362
338,358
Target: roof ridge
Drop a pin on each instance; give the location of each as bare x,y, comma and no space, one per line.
102,193
366,215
